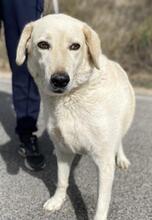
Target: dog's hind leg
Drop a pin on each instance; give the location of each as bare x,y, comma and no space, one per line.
64,163
121,159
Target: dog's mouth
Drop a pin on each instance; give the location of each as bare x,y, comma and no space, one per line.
49,90
59,91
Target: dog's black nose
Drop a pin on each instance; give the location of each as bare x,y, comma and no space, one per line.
59,80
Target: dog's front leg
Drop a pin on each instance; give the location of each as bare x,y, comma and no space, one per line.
106,167
64,163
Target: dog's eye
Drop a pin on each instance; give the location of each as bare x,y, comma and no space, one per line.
43,45
74,46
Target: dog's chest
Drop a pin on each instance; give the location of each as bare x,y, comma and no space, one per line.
70,127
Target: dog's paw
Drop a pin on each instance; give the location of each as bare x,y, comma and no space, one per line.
53,204
122,162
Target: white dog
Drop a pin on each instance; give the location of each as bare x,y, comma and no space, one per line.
88,100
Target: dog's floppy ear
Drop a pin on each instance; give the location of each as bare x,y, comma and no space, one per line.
22,45
93,43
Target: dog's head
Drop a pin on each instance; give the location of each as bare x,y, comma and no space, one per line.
61,52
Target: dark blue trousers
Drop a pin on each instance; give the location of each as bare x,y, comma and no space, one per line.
15,14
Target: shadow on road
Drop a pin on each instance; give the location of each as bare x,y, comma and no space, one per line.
13,162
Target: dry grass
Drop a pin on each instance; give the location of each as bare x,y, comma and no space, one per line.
125,30
140,45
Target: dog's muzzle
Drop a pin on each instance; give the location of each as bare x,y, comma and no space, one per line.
59,81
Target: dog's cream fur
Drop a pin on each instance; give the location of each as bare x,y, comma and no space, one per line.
94,112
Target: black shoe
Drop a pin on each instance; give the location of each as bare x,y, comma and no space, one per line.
28,149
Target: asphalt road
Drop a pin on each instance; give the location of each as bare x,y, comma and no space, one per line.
22,193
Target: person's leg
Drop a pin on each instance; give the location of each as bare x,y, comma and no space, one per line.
16,14
26,99
0,17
